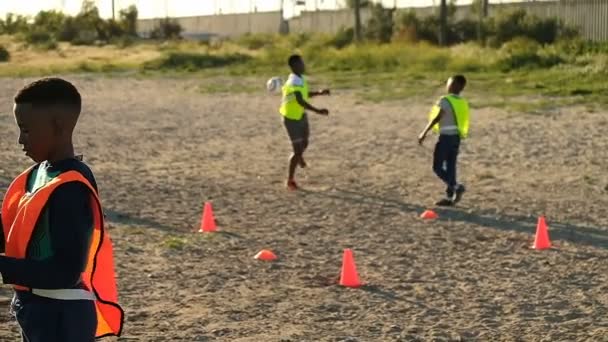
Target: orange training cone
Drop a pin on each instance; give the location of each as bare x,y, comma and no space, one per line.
429,215
349,276
208,221
542,235
266,255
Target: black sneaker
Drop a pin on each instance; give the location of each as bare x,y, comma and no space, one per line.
446,202
460,190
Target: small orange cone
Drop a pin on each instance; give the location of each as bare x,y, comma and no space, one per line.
208,220
266,255
542,235
429,215
349,276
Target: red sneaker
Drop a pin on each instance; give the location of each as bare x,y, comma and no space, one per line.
292,185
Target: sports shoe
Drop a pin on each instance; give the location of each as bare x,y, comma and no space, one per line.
291,185
446,202
460,190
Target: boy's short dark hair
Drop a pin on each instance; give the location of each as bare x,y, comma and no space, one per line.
293,59
50,91
460,79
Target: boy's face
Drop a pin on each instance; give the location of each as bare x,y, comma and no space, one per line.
299,67
453,86
37,131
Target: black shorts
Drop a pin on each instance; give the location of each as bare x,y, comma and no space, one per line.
51,320
297,130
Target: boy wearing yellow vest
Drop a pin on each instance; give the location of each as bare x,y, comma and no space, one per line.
57,254
450,118
293,109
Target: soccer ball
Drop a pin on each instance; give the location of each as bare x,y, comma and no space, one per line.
274,84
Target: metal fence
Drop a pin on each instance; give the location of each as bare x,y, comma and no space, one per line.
589,16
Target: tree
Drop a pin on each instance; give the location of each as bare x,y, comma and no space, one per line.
380,25
128,20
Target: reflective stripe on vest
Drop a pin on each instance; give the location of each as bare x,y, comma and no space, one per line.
20,213
290,108
65,294
460,108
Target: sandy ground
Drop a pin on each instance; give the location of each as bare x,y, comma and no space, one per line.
160,148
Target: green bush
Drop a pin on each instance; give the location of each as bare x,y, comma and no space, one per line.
463,31
380,25
411,28
255,41
167,29
194,61
524,53
298,40
86,28
13,24
123,42
406,27
509,25
342,38
5,55
40,38
85,38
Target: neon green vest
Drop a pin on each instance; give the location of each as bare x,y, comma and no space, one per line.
290,108
460,108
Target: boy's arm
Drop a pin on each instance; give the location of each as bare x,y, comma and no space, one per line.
71,228
320,92
429,126
308,106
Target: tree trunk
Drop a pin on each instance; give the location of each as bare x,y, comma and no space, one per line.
483,14
357,9
443,23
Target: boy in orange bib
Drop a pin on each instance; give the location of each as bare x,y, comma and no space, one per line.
57,254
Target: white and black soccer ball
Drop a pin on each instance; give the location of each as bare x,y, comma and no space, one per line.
274,84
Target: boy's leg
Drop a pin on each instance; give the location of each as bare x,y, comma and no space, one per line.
451,160
294,160
456,190
295,132
78,321
37,317
440,155
305,137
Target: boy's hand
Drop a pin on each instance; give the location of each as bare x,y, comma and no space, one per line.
421,138
323,112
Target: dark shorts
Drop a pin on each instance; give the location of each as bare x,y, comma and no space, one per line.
297,130
51,320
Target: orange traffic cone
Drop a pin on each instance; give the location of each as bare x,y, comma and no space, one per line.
349,276
266,255
542,235
429,215
208,220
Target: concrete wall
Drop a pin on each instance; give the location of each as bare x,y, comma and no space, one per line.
590,16
224,25
326,21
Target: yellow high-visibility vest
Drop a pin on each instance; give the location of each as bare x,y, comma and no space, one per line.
460,107
290,108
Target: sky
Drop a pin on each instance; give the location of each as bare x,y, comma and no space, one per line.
181,8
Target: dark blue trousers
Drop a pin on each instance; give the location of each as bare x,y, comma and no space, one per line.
444,161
